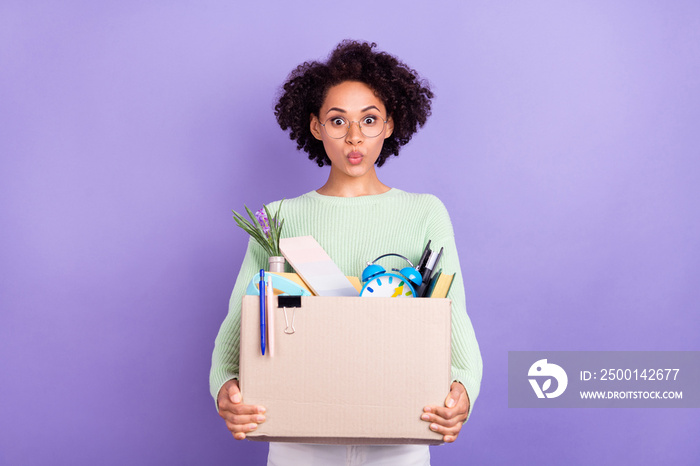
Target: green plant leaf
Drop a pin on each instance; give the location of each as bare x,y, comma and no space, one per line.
271,243
273,229
277,244
254,220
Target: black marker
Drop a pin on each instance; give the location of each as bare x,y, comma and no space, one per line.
428,271
423,258
437,261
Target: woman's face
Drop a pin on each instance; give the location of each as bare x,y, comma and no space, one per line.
354,154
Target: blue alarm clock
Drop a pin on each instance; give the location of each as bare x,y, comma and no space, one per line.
378,283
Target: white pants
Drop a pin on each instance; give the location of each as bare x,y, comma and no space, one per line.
299,454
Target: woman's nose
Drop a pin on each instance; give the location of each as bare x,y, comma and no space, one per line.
354,133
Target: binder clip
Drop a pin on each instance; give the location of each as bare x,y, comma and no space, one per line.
285,302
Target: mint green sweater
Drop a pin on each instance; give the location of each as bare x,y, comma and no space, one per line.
353,231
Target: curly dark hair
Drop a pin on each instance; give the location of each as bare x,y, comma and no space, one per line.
405,95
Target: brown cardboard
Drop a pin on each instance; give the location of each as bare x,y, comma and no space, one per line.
355,371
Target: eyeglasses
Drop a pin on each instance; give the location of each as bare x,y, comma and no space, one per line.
370,126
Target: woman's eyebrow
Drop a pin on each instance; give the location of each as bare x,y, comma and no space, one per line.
343,111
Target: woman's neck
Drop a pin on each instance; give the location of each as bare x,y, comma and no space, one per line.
343,186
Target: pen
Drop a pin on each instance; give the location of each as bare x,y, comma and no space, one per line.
423,258
270,317
437,261
262,310
428,271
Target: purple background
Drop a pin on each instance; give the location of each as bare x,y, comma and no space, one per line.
564,143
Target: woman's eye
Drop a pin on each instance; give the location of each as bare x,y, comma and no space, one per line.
369,121
337,121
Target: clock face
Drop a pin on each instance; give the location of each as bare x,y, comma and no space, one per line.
388,285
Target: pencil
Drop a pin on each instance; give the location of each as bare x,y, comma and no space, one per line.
270,317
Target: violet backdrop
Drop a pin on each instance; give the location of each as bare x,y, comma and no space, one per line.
564,142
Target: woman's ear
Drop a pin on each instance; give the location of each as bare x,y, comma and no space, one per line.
389,127
315,126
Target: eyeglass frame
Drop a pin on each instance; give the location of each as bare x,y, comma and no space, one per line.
359,125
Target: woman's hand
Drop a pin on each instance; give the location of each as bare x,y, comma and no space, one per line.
448,420
239,418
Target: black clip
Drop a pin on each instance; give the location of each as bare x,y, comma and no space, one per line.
289,301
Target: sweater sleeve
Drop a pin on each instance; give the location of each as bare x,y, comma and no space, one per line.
224,361
467,365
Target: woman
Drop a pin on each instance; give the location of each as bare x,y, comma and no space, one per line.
352,113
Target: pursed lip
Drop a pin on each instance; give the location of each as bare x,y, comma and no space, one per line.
355,157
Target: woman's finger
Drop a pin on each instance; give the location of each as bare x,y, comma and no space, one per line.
449,434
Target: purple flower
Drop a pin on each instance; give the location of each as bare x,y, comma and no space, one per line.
262,220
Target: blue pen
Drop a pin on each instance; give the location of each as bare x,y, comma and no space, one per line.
262,310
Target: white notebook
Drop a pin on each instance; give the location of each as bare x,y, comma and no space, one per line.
315,267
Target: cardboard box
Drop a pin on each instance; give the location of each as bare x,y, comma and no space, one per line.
355,370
